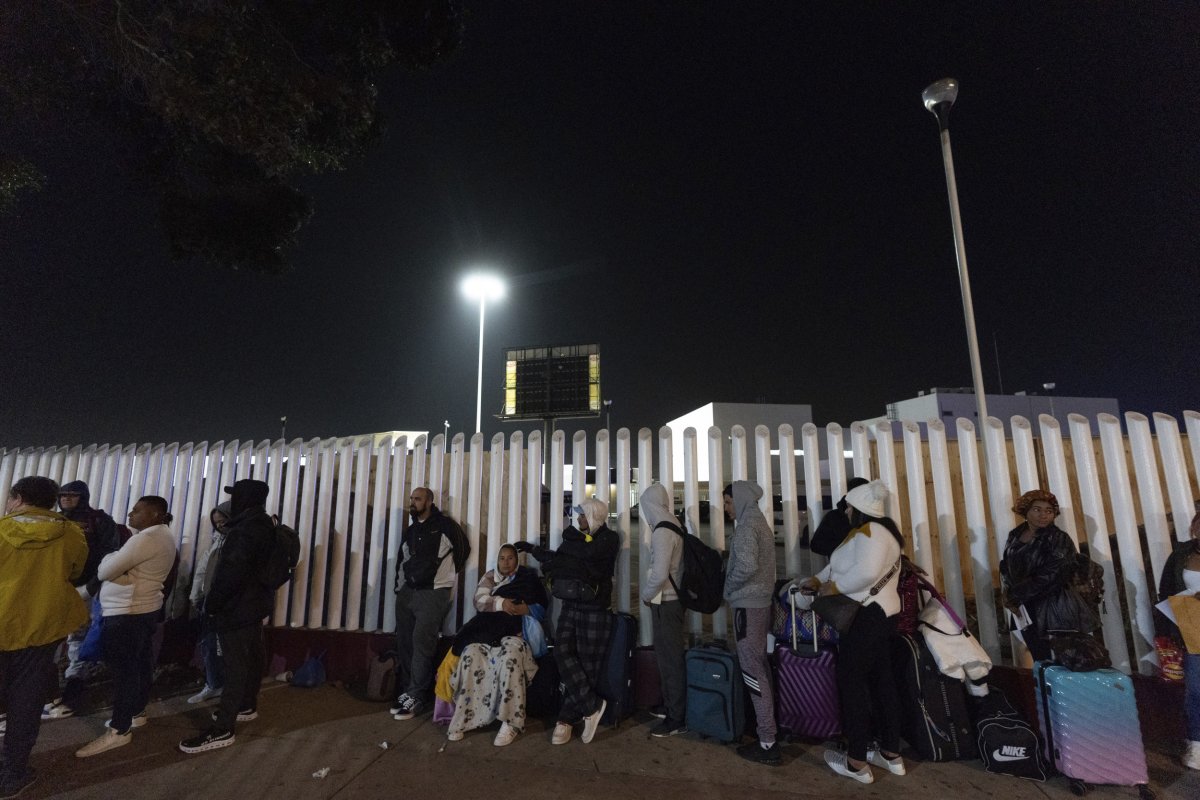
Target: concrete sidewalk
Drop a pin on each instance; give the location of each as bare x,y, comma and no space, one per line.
301,731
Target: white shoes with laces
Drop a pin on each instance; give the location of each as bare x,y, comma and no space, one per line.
562,733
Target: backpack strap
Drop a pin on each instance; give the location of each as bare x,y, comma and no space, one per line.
671,526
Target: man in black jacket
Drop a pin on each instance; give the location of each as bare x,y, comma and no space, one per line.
235,607
582,567
433,549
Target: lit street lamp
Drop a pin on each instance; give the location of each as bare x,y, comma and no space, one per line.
939,97
481,287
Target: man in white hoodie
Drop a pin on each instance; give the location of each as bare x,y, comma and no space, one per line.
666,612
130,596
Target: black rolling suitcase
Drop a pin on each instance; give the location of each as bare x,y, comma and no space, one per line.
934,717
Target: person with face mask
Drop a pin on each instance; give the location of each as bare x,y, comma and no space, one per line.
206,568
581,569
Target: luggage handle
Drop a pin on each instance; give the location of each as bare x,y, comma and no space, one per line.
795,641
1044,690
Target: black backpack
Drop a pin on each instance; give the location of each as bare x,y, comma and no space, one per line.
702,585
285,555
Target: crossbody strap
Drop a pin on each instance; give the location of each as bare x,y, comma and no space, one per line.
883,581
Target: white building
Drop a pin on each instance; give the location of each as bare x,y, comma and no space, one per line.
725,416
950,404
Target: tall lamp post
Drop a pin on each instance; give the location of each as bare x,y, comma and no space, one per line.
939,97
481,287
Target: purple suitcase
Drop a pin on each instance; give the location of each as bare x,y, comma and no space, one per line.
1090,724
806,695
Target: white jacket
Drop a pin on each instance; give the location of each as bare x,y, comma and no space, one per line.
859,562
133,576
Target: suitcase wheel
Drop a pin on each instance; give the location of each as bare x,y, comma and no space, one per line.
1078,787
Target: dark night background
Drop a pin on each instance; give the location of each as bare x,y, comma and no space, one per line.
737,201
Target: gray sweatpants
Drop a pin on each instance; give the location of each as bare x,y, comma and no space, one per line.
750,626
419,615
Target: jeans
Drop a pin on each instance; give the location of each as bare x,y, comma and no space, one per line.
125,640
214,667
1191,695
419,615
25,676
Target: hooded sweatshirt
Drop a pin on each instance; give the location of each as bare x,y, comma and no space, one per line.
134,575
590,556
98,528
666,546
42,554
206,565
237,597
750,573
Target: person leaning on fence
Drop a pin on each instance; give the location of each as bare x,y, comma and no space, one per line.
41,554
1181,576
1039,558
432,553
74,501
749,586
237,603
581,569
131,596
206,568
866,568
664,573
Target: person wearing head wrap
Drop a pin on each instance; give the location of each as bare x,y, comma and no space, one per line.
587,556
1039,558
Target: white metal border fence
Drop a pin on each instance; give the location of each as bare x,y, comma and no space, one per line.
957,493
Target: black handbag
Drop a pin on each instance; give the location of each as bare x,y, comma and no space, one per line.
839,610
573,589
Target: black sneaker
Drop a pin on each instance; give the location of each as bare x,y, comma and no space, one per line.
400,705
659,712
755,752
245,715
12,785
410,708
668,727
210,740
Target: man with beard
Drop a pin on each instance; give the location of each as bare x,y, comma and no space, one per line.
433,550
236,605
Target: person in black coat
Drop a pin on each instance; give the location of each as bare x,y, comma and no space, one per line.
235,607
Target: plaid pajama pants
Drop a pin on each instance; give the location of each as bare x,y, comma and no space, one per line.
581,644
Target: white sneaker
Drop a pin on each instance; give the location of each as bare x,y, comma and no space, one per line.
207,693
57,710
109,740
506,736
1191,758
591,722
137,721
839,763
892,765
562,733
454,736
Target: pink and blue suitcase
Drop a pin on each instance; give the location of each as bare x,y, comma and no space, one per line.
1091,728
806,694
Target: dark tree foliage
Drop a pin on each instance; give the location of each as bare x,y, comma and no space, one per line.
219,106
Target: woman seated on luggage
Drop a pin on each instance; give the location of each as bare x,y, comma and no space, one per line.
1181,575
1038,562
865,567
496,650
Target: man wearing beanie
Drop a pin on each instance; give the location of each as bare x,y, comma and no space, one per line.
237,603
100,531
749,582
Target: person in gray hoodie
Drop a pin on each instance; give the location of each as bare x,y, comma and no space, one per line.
666,612
206,568
749,581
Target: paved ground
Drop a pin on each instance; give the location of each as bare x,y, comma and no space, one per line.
301,731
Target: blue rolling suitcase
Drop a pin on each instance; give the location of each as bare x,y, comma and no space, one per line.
1090,724
716,695
615,684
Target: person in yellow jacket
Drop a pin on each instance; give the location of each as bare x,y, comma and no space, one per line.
41,552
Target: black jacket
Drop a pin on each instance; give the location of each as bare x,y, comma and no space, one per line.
423,542
1171,582
592,561
238,597
1037,575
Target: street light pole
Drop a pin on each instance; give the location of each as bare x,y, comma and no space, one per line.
938,98
482,288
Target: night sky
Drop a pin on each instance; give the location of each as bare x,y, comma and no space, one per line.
737,201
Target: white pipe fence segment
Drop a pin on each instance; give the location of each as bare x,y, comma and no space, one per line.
645,473
348,499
